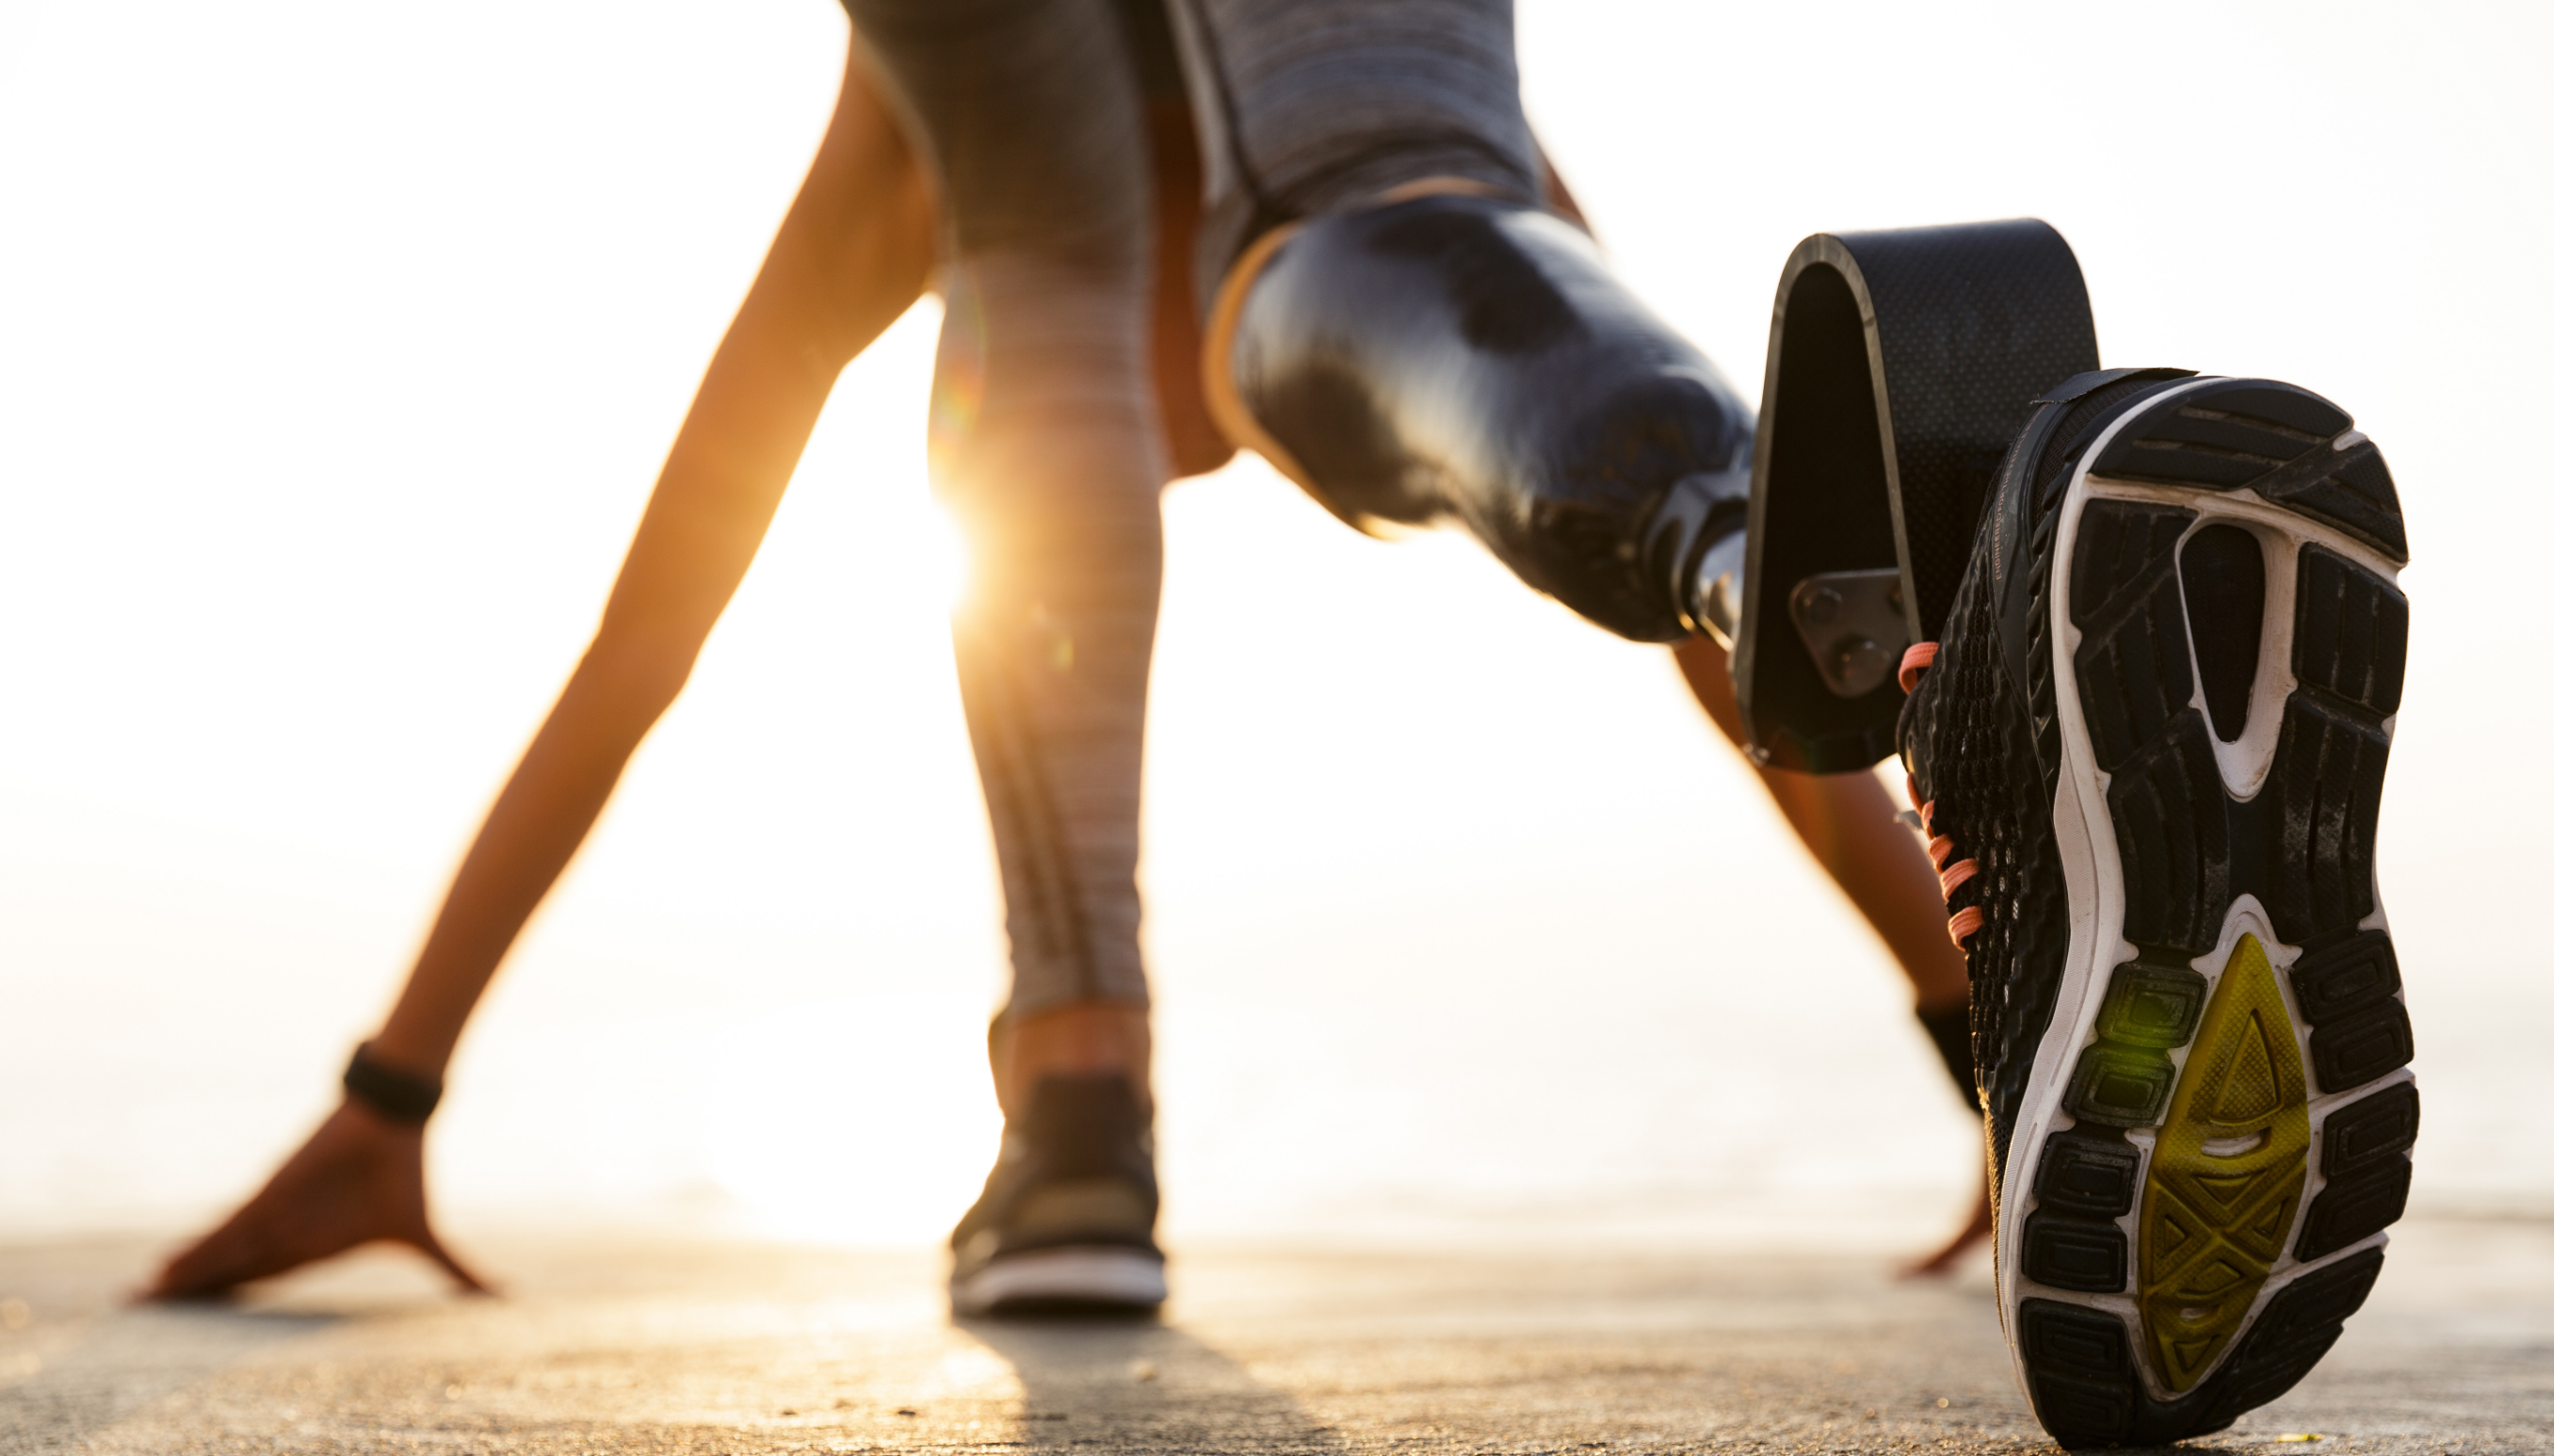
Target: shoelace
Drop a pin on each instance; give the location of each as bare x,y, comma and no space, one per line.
1953,874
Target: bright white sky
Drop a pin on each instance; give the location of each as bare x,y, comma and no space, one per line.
338,348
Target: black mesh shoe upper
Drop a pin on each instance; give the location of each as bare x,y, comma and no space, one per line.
1076,1171
1979,737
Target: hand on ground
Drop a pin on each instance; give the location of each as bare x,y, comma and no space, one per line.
360,1180
1947,1258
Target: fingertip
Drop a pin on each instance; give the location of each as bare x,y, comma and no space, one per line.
170,1288
470,1283
171,1283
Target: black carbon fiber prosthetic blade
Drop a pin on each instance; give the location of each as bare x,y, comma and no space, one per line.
1902,364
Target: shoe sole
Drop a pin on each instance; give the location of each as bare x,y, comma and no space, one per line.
2214,1133
1089,1279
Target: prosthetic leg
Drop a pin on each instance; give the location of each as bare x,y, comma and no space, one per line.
1457,355
2156,653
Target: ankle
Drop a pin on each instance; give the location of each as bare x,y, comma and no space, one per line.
1085,1039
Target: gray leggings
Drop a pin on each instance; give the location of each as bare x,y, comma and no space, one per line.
1045,440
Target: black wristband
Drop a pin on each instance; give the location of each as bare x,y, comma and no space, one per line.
401,1097
1950,1027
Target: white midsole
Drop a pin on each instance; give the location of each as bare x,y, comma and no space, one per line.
1086,1275
2088,850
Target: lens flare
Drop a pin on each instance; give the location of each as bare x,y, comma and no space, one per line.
941,558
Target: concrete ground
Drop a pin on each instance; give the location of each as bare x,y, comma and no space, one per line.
619,1345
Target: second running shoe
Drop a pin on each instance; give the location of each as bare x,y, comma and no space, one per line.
1066,1221
2148,748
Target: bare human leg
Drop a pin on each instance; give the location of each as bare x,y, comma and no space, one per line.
852,255
1848,823
1078,1039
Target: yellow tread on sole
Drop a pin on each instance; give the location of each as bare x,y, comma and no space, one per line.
2227,1174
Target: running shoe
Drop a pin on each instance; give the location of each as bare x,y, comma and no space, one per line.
2148,748
1066,1221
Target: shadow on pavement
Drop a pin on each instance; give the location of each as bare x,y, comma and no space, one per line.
1140,1384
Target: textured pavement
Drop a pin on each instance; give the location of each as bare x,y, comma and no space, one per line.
621,1345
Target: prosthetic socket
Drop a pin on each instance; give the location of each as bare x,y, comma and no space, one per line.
1470,357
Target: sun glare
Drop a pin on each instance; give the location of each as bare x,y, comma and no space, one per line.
941,561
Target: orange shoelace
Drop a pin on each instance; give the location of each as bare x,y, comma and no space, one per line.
1953,873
